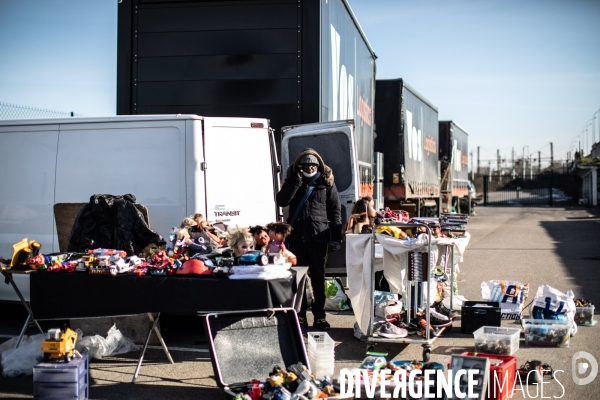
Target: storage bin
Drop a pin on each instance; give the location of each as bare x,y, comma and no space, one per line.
547,332
321,354
60,380
61,372
584,316
475,314
501,375
61,390
320,342
497,340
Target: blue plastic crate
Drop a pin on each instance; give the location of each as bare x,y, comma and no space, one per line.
59,390
60,371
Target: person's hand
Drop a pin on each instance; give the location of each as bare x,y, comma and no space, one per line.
334,246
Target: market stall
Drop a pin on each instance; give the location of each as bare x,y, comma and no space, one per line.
399,255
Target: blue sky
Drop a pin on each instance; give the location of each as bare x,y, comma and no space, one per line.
512,73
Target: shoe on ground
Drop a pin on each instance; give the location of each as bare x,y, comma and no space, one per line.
303,322
437,315
321,324
442,309
391,331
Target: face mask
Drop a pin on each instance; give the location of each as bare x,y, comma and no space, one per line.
308,174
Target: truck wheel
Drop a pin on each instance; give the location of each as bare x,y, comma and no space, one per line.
113,270
263,260
67,358
46,357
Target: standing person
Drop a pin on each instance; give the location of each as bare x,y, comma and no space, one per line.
315,216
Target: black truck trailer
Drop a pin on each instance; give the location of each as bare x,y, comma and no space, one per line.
454,164
291,61
407,135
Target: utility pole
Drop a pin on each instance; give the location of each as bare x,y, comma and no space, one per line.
512,169
498,160
472,171
539,162
551,156
478,160
530,167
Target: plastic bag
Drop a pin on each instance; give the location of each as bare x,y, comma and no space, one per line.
550,303
511,294
335,298
21,360
115,343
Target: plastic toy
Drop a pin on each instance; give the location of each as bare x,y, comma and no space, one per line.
240,241
59,345
253,257
119,266
278,232
373,362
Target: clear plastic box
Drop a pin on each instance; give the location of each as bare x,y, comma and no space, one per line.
497,340
547,332
321,354
584,316
320,343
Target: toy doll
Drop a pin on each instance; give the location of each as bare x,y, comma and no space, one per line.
278,231
240,241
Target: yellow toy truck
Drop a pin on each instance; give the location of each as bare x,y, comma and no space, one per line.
59,345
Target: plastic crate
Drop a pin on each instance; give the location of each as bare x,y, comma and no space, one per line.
61,372
547,332
584,316
501,378
61,390
320,343
475,314
497,340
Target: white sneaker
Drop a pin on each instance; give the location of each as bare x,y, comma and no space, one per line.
435,314
392,331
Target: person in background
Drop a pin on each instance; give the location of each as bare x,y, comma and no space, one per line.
362,217
261,237
314,212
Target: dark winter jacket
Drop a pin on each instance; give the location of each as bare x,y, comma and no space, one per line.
320,218
111,222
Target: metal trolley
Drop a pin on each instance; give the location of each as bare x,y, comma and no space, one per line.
414,281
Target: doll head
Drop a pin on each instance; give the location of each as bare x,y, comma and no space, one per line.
261,236
278,231
240,241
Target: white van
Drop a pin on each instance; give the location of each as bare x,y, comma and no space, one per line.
175,165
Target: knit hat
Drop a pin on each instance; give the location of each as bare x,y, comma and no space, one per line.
309,159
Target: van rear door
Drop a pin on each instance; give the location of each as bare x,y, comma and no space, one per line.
334,141
239,171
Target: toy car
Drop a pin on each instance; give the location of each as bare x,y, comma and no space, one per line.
373,362
59,345
254,257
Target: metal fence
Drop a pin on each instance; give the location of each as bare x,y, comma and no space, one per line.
14,111
530,190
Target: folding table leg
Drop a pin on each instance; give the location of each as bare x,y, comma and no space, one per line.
8,276
154,328
160,338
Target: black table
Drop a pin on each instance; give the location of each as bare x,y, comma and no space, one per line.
80,295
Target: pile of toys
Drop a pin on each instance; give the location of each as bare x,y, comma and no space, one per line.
293,382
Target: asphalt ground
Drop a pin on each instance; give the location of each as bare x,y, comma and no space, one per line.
543,245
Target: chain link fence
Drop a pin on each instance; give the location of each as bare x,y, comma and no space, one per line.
14,111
